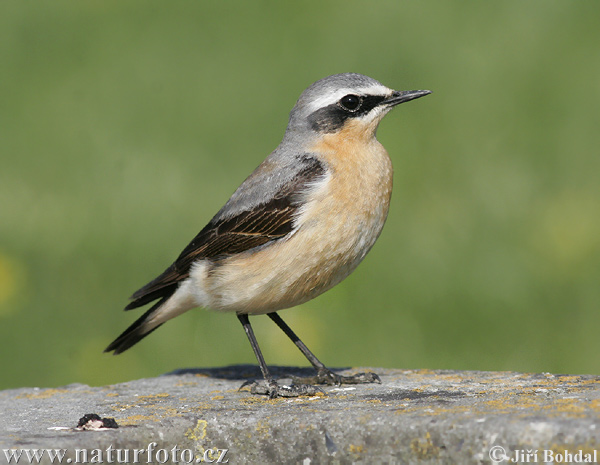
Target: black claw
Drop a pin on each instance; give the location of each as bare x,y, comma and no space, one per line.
246,383
325,376
273,390
362,378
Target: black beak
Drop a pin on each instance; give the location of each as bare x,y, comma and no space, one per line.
401,96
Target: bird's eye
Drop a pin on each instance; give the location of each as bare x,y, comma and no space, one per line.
350,102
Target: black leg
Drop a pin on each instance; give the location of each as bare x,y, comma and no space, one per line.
259,356
324,374
272,389
314,361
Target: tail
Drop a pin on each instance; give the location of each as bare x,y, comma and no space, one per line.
172,302
137,331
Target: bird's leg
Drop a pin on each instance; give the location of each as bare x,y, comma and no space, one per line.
324,374
272,389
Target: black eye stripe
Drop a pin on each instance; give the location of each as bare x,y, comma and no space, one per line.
369,102
332,117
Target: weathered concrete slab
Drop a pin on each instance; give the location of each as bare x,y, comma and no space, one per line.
414,416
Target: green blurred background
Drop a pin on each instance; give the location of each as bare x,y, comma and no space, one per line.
124,126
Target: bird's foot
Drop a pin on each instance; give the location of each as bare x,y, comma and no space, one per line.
273,389
326,376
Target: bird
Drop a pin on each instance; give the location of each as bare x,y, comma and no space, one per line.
298,225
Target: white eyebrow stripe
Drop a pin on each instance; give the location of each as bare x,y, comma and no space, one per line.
333,97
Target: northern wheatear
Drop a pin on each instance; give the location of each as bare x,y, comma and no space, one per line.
296,227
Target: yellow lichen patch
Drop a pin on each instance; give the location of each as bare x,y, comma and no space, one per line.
570,406
513,401
594,404
251,400
45,394
455,409
526,403
262,428
501,379
568,379
451,378
428,410
231,391
260,400
356,449
585,382
153,396
121,407
203,406
168,411
186,383
424,371
424,449
112,394
217,397
198,433
135,419
503,403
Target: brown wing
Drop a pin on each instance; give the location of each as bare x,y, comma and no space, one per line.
224,237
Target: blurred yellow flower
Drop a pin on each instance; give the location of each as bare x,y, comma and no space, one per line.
10,282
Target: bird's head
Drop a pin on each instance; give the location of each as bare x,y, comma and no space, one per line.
334,103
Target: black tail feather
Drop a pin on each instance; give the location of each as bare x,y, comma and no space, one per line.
135,332
139,298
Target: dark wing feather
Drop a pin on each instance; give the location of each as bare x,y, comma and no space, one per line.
227,236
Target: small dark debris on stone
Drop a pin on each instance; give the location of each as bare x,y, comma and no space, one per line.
93,422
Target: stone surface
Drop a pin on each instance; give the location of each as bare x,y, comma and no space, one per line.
414,416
